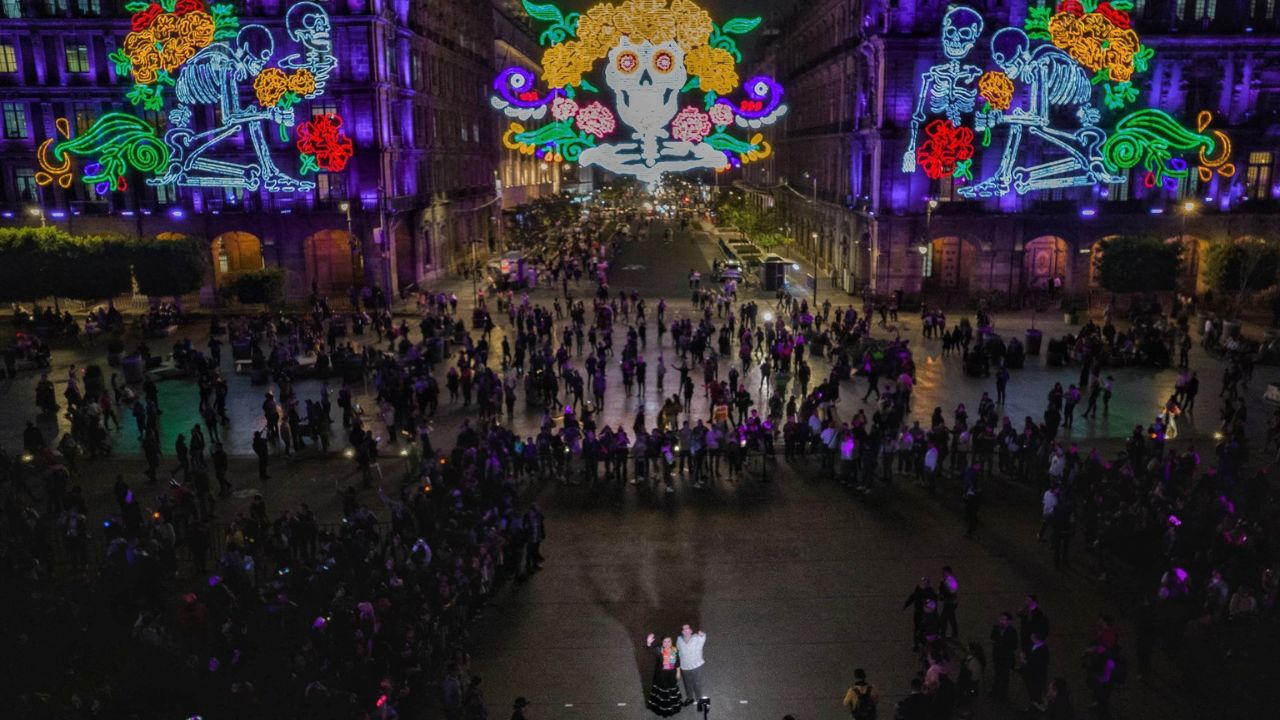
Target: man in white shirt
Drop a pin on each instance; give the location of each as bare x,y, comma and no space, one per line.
689,645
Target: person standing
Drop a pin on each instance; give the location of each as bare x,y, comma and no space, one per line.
1002,384
914,706
664,693
923,593
690,645
861,698
949,600
260,449
1035,670
1004,648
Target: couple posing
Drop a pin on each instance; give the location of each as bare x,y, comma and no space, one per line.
673,662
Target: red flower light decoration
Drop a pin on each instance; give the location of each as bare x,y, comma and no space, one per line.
944,146
1119,18
322,139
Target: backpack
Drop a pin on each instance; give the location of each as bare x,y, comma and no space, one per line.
865,707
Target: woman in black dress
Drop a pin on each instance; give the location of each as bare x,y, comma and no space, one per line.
664,694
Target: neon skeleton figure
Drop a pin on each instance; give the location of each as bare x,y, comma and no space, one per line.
1055,83
949,88
214,77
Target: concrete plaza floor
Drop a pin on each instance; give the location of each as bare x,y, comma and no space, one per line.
795,581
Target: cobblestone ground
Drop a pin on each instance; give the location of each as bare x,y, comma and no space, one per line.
796,581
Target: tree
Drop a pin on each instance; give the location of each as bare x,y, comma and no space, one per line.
49,262
1139,264
26,264
169,267
258,287
1243,265
92,268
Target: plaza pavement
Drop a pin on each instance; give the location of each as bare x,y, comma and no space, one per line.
795,581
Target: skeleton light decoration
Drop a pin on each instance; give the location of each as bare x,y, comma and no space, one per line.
186,59
1044,88
673,77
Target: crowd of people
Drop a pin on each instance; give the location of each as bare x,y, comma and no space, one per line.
371,615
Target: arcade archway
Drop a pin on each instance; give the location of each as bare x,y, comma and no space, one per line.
329,262
235,252
1046,265
953,263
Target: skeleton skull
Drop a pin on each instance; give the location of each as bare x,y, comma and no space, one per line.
961,27
1009,50
308,25
646,80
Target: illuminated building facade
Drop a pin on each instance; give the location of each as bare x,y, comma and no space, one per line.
373,162
1007,213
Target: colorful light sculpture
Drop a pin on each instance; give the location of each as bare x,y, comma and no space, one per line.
185,57
659,55
1040,98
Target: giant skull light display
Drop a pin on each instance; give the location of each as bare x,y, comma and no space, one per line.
671,72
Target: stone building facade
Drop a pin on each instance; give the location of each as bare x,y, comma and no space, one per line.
911,233
416,199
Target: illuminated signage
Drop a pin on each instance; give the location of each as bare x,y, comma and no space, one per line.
1039,106
673,77
197,64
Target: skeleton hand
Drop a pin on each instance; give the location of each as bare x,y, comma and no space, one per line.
282,116
909,160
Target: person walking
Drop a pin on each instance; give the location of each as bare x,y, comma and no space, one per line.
861,698
690,645
664,693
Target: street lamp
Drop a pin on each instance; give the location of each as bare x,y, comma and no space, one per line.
37,211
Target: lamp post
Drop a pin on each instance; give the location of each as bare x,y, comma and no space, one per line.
923,247
353,246
37,211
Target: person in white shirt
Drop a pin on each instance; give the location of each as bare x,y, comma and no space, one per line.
1048,504
689,645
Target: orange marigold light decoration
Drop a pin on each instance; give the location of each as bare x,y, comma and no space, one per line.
997,88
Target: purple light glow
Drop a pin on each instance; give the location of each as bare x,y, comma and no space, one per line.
58,214
1088,212
177,213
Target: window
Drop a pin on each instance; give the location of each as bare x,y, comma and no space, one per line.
944,189
11,8
475,132
89,7
1139,9
84,113
1180,10
1257,180
1119,192
331,186
1189,188
325,107
926,262
77,57
415,70
1205,9
25,182
55,7
8,59
166,194
15,121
